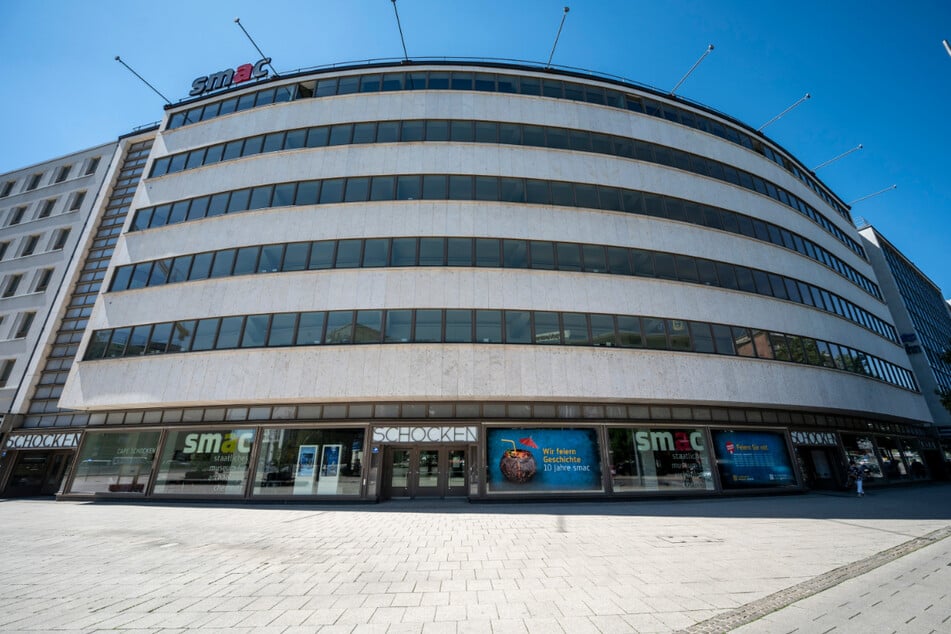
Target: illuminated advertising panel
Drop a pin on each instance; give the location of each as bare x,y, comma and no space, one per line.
522,460
753,459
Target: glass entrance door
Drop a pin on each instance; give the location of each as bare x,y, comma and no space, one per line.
411,472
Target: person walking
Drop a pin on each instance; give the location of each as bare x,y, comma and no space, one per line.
857,473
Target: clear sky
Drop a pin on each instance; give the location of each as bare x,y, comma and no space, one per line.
876,70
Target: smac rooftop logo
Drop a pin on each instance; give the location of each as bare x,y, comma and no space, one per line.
225,78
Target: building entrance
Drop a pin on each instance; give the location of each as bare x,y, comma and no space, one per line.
415,472
37,473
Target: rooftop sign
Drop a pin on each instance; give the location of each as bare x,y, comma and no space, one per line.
226,78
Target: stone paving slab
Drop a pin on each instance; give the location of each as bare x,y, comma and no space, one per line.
449,566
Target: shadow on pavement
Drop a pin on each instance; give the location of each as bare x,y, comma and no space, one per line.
926,501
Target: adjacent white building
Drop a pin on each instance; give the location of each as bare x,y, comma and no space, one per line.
43,209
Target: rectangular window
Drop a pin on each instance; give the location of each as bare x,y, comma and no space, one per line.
29,245
575,329
7,188
34,182
547,328
459,251
92,165
181,338
303,462
5,370
13,283
78,199
207,462
158,341
25,322
282,329
488,326
43,280
16,216
458,326
679,335
340,326
398,326
428,327
46,208
255,331
368,327
63,173
602,330
115,463
310,329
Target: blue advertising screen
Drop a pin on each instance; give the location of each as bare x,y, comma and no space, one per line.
752,459
543,460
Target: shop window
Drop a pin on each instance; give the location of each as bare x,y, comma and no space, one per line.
305,462
204,462
659,460
115,463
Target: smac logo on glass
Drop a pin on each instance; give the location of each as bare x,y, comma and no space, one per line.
217,443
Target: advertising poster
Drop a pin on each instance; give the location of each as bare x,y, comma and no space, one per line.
543,460
306,461
753,459
328,482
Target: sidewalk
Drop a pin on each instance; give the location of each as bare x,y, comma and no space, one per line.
448,566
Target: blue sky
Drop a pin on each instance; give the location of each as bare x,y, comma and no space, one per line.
876,70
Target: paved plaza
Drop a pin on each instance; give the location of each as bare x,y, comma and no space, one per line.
805,563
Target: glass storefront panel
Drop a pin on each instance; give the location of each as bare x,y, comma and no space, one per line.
753,459
205,462
310,462
118,462
860,450
659,459
538,460
893,466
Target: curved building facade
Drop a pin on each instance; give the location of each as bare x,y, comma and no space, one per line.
482,281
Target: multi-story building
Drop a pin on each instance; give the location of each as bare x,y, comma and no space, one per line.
480,280
43,209
921,315
58,289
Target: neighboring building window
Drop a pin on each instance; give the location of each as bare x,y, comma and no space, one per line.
47,208
29,245
16,215
34,182
77,201
60,240
43,280
63,173
7,188
92,166
13,283
26,320
3,249
5,370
